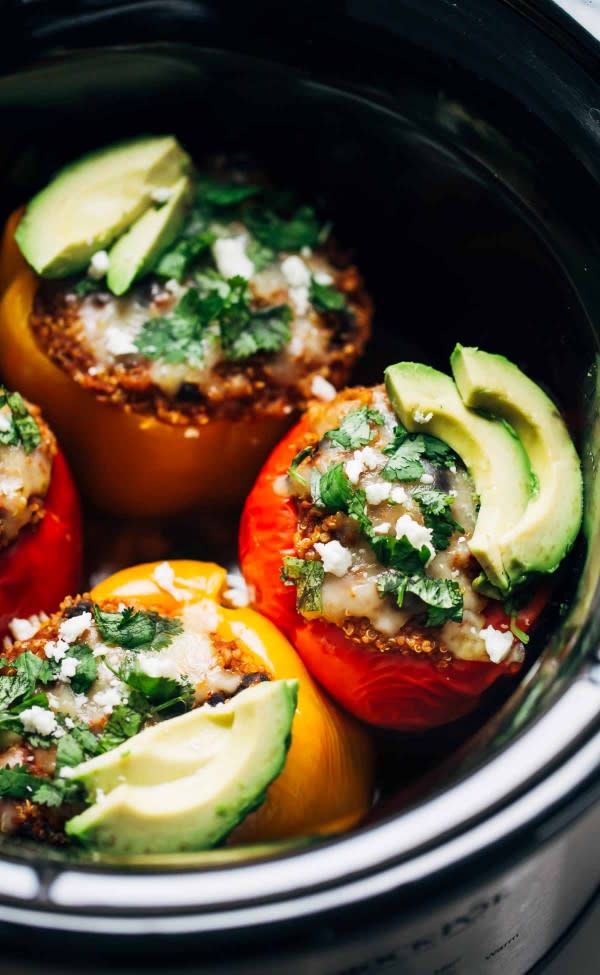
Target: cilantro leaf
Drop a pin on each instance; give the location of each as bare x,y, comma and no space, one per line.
266,330
175,262
14,689
334,490
76,746
141,630
224,194
87,670
34,668
85,286
158,693
399,553
307,575
180,336
438,452
355,429
442,597
55,792
326,298
435,506
22,429
17,782
300,456
123,723
404,463
301,229
260,255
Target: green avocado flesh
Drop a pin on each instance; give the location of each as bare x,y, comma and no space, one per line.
492,454
136,252
548,527
94,200
186,783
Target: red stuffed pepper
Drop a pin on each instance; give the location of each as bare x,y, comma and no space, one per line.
356,539
40,531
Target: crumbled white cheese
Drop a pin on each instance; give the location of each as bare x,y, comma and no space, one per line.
398,495
418,535
238,594
108,699
56,649
158,665
173,287
161,194
69,723
299,298
99,265
295,272
497,643
354,468
420,417
382,529
68,669
5,422
322,277
23,629
164,577
378,492
72,628
369,457
38,720
118,342
306,251
427,478
231,258
323,389
336,559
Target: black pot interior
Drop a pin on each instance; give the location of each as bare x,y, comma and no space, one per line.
465,214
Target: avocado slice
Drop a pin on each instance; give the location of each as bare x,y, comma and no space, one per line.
491,452
92,201
185,783
543,535
136,252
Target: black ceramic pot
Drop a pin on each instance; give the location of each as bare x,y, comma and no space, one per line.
459,144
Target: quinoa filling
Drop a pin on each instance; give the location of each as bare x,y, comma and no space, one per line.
247,309
87,679
384,522
27,449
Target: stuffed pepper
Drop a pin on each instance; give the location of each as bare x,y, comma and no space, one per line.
171,322
159,714
40,533
401,535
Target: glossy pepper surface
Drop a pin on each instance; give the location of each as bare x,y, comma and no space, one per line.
43,564
406,692
326,784
127,463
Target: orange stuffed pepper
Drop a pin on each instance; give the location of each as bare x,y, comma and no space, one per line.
171,332
137,686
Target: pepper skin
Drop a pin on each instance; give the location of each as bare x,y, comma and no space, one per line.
43,564
326,785
127,463
407,693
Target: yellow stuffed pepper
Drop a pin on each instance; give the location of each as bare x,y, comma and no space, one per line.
168,711
171,324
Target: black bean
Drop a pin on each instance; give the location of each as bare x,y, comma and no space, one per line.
83,606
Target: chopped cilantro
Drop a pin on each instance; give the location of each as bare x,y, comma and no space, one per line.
355,429
435,506
300,456
87,671
33,667
19,782
326,298
301,229
139,630
442,597
224,194
438,452
55,792
399,553
123,723
404,460
23,429
266,330
176,261
85,286
307,575
334,489
260,255
181,335
157,693
76,746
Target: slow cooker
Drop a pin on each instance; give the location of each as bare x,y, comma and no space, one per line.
461,142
